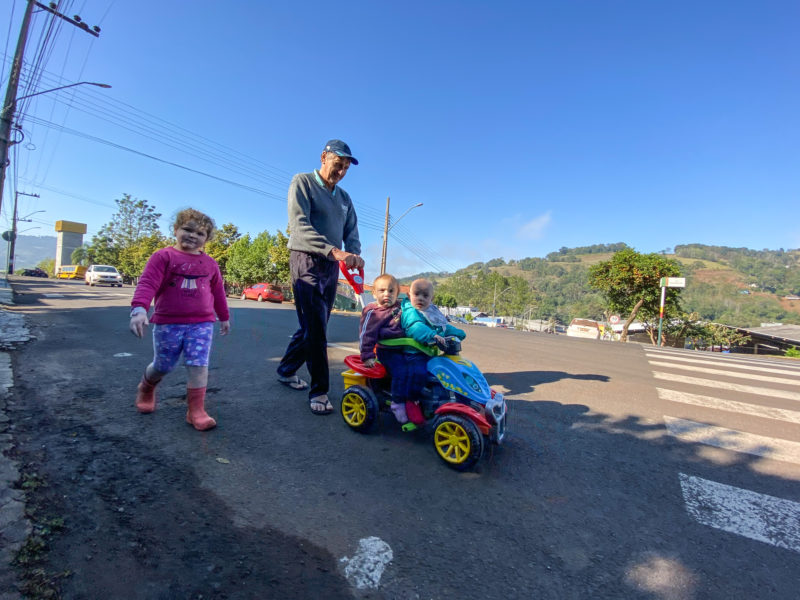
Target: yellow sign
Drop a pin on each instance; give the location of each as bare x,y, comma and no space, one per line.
70,227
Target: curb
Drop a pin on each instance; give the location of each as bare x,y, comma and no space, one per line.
14,527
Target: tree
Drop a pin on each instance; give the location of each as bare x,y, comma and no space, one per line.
724,336
80,256
630,282
48,265
132,259
101,251
278,269
445,300
134,220
219,246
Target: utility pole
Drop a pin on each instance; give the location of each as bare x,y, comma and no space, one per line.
10,103
385,238
387,228
12,245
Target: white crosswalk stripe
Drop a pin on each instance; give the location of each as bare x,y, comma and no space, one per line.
755,410
700,361
724,385
730,439
726,372
748,513
757,516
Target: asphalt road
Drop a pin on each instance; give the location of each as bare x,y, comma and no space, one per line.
617,479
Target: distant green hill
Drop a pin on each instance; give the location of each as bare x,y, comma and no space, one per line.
30,250
736,286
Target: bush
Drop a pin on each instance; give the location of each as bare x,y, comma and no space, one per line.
792,352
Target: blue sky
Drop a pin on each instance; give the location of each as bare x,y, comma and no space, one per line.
522,127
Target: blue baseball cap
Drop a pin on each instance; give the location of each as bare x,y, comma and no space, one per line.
339,148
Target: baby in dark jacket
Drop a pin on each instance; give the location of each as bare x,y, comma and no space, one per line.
380,320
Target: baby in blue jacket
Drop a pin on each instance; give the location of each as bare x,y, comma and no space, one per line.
425,323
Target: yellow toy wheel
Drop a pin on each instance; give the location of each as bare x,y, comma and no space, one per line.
457,441
359,408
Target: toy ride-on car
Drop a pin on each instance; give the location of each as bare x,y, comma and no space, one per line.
459,407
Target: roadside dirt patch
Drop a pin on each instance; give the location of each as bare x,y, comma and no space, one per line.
113,519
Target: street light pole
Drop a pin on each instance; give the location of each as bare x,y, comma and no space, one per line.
387,229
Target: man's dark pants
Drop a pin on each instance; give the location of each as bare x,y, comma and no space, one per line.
314,281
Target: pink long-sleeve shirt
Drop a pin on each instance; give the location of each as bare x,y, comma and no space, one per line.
187,288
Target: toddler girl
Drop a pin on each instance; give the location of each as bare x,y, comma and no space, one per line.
189,296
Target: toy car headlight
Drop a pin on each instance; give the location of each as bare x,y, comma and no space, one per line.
497,406
470,381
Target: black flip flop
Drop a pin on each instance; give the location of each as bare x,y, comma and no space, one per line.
324,411
293,382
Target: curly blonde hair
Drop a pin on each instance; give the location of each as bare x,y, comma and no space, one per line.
202,220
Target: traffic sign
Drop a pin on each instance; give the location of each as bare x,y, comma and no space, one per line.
613,319
673,282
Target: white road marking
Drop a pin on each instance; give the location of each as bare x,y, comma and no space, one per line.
726,373
724,385
342,347
730,359
751,366
731,439
765,412
768,519
122,354
365,568
53,295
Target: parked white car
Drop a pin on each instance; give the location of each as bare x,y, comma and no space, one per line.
103,274
585,328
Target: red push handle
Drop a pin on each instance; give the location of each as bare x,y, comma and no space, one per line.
355,277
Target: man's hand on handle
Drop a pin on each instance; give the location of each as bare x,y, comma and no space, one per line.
351,261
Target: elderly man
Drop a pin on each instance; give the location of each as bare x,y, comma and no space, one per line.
321,219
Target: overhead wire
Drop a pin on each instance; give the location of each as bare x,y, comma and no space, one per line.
8,41
52,154
155,158
50,26
92,103
125,116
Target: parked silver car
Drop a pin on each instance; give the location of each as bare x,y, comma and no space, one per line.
103,274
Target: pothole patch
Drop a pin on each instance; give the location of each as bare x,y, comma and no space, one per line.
365,568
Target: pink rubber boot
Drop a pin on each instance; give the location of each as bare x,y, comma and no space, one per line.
414,413
146,396
197,415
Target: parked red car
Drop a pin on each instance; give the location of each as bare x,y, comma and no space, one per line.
263,291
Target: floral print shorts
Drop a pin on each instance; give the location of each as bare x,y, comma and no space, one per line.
172,339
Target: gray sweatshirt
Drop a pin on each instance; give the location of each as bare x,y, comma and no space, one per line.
320,219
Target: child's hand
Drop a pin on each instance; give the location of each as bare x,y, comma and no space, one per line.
224,327
138,322
369,363
439,341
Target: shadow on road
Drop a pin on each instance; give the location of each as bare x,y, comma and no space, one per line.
524,381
